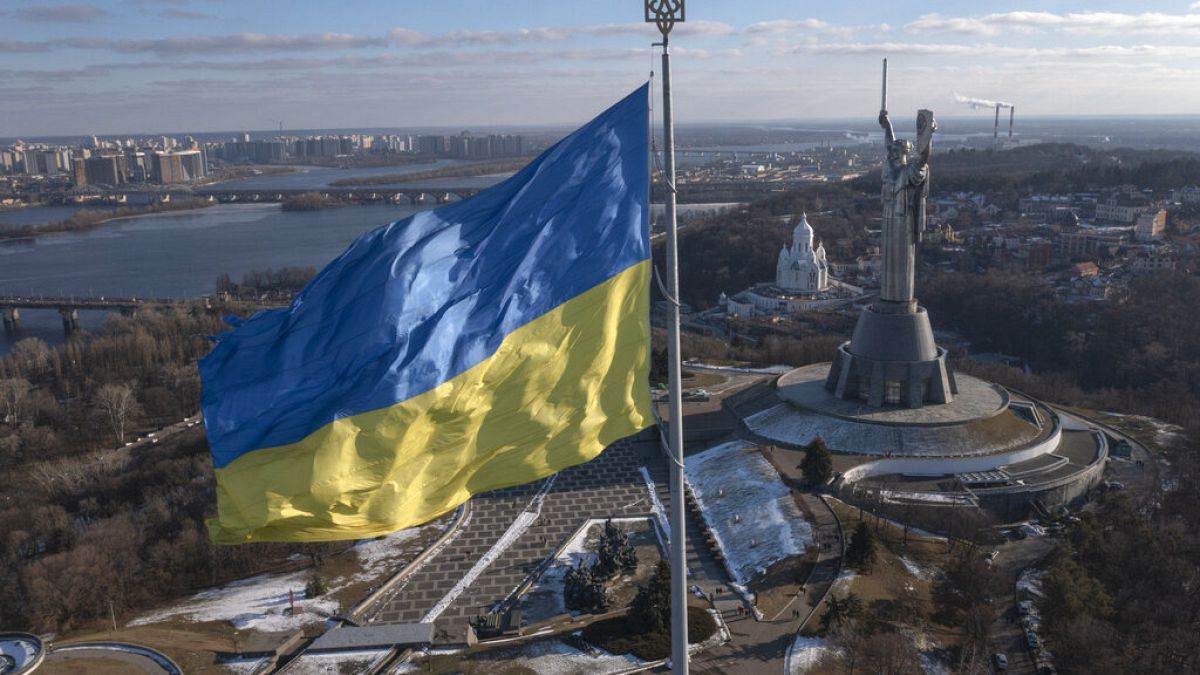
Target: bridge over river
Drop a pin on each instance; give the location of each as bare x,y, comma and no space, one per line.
415,194
68,308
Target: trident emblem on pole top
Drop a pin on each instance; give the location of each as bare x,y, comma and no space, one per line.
664,13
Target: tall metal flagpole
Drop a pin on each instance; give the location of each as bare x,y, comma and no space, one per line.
665,13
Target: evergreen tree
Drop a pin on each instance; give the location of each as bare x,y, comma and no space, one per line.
614,553
315,587
839,611
651,608
861,553
583,591
818,463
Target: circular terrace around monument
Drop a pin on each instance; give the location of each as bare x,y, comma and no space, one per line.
976,399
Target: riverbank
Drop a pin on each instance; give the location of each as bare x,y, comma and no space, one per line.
463,171
89,218
240,172
312,201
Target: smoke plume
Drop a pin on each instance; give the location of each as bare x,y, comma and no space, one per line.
980,102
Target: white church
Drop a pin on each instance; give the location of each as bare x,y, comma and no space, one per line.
802,282
801,268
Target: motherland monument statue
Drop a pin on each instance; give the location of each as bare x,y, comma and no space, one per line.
905,188
892,358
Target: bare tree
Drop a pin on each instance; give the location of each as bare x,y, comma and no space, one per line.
14,400
117,403
32,356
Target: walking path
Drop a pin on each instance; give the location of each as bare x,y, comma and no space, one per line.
760,646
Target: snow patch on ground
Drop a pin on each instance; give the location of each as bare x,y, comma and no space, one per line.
656,507
261,602
933,665
379,556
257,603
843,582
246,666
748,509
916,570
552,657
1165,434
519,526
1030,582
805,653
358,661
898,497
769,370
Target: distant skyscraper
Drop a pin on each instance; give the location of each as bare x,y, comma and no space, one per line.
179,167
106,170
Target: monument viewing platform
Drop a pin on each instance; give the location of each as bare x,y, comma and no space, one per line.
903,426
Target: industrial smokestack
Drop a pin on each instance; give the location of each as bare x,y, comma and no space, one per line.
1012,112
996,128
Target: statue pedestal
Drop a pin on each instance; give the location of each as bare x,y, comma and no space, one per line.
892,359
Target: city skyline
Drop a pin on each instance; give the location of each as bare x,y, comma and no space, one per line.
132,66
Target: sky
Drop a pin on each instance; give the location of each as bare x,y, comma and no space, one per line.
146,66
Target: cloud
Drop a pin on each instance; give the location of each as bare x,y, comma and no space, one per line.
353,63
398,37
19,46
993,50
235,43
60,13
810,26
185,15
699,28
1075,22
405,37
474,38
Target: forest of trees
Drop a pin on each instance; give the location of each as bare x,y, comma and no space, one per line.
277,284
732,251
85,521
1123,590
1141,355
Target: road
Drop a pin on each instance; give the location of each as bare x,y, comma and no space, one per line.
1006,633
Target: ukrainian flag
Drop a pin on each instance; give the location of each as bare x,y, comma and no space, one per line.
484,344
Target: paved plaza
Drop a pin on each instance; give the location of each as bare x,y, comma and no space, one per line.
611,485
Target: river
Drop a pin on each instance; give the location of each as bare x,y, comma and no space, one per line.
306,177
178,254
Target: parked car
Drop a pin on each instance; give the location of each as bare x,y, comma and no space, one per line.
1000,661
1025,606
1032,639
